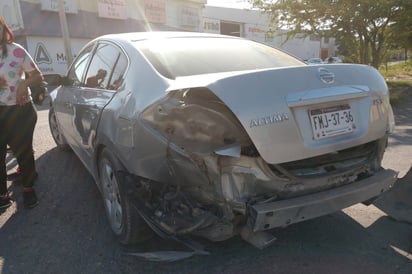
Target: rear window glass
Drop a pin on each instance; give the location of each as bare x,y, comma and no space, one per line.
175,57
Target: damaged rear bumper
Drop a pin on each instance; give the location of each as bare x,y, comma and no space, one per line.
286,212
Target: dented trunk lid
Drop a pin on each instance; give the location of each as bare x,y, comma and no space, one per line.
301,112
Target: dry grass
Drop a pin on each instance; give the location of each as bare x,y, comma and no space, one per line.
399,80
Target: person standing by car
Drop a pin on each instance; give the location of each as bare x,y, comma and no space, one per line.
18,116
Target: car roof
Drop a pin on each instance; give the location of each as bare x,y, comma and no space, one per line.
136,36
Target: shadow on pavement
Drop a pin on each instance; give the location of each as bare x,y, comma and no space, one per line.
68,233
397,202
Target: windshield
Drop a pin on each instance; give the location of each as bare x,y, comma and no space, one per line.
185,56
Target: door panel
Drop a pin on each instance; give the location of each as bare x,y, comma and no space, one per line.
105,71
65,98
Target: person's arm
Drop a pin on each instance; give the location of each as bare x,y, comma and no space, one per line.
34,78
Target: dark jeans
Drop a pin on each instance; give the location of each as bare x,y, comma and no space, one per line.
16,130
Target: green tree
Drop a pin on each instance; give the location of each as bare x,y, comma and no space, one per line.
401,30
363,23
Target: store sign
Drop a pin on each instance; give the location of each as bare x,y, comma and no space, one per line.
155,11
114,9
70,6
211,25
253,29
10,10
189,17
48,53
199,1
254,32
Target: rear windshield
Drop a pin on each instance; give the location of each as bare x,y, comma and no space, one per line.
175,57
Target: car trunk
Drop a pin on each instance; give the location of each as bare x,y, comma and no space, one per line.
302,112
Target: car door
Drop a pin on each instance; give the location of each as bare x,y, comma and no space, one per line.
103,76
65,96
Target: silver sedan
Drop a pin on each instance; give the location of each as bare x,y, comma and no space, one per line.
214,136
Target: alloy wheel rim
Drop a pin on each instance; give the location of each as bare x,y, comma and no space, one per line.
111,197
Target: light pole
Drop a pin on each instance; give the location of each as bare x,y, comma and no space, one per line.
65,33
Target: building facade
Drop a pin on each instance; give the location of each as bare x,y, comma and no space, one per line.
254,25
36,23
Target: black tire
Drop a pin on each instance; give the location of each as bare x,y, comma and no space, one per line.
124,220
56,133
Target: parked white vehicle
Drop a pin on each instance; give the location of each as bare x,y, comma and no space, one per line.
333,59
314,61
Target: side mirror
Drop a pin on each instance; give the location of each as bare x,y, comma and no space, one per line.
53,79
65,81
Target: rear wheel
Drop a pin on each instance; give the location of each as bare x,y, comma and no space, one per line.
58,137
125,221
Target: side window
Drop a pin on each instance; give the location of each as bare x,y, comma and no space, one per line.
79,66
119,70
107,67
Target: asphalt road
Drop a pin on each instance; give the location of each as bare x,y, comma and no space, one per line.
68,231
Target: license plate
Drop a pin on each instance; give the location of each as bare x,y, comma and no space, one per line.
331,121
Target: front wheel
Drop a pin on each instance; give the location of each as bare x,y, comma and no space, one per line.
125,221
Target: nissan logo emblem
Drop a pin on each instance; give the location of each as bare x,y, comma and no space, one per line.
326,76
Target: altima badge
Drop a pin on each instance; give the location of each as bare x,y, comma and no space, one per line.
264,121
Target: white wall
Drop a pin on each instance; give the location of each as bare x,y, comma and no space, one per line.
255,26
10,10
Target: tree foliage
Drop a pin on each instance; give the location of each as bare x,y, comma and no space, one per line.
360,26
401,30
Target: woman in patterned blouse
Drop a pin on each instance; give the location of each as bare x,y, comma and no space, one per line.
18,115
